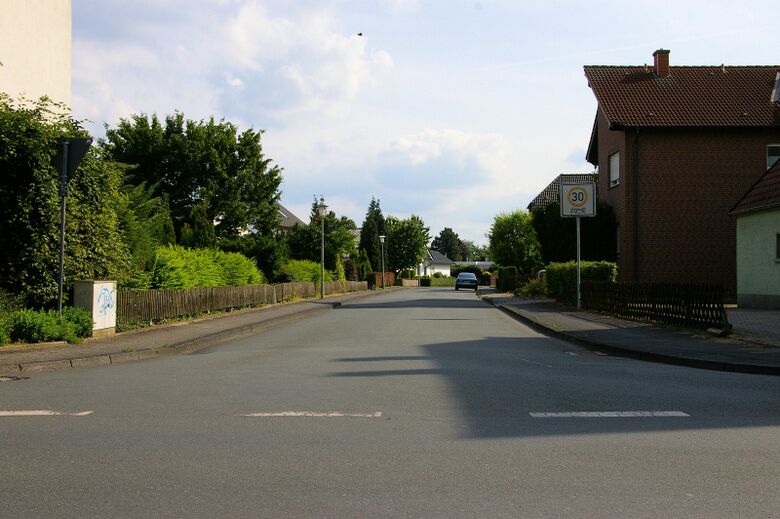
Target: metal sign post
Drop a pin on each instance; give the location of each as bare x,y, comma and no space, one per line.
68,157
578,200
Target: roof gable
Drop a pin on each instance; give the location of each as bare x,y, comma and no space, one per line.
552,193
765,193
701,96
437,257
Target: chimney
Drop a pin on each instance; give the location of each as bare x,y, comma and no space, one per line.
661,66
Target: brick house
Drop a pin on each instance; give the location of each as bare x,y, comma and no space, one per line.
676,148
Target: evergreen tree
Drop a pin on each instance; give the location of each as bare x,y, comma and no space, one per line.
373,228
449,243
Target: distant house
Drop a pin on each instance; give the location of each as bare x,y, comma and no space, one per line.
676,147
758,243
435,262
287,220
552,193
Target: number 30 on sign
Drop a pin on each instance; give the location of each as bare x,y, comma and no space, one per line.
578,199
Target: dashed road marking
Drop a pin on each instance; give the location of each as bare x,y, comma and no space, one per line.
612,414
43,412
314,414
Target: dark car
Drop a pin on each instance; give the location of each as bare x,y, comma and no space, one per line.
466,280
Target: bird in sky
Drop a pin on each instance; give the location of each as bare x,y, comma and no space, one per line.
360,34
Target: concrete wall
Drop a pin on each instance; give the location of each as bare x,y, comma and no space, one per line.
35,49
758,269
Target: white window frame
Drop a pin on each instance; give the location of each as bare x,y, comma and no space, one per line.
776,154
614,172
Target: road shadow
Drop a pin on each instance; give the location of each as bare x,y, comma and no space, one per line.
499,381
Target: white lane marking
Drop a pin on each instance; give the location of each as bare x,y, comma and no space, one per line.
612,414
43,412
315,414
536,363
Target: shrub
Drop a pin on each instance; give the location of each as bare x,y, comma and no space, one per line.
304,271
425,281
3,334
442,282
46,326
562,277
237,269
507,279
438,275
32,326
179,267
407,274
536,287
80,319
457,269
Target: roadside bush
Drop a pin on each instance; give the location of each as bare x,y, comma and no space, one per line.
45,326
237,269
80,319
425,281
507,279
536,287
179,267
442,282
562,277
407,274
304,271
3,334
438,275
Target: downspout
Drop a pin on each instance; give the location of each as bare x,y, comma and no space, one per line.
635,188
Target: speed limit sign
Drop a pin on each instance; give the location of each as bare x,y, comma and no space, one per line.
578,199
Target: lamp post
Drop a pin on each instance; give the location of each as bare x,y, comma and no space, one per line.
382,244
322,211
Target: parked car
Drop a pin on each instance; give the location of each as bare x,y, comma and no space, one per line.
466,280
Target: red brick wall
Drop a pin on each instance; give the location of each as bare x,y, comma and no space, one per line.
689,180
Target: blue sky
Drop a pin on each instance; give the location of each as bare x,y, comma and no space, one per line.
454,111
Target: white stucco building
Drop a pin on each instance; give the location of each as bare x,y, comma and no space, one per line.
35,49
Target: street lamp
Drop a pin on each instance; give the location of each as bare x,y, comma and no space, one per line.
382,244
322,212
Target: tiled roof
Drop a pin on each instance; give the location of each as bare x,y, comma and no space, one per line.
287,220
633,96
552,192
765,193
437,257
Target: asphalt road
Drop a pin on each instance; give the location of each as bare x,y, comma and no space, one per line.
410,403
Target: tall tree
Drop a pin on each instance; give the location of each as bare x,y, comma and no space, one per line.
558,235
207,170
373,227
513,242
30,207
449,243
406,242
304,240
475,252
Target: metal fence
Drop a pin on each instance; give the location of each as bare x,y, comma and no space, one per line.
692,305
151,305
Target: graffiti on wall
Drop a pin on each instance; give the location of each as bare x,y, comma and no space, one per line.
106,300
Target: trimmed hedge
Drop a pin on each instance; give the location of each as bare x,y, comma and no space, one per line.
562,277
442,282
46,326
304,271
179,267
425,281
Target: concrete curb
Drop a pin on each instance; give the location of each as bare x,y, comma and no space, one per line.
583,340
174,348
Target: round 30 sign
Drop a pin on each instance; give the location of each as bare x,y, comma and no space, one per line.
578,199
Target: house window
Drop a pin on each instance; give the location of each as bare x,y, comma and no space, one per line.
772,155
614,169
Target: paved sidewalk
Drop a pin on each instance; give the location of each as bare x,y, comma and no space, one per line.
648,342
179,337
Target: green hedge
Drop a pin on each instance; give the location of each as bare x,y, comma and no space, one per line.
425,281
46,326
562,277
507,279
442,282
179,267
304,271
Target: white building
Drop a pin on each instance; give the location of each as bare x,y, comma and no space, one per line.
35,49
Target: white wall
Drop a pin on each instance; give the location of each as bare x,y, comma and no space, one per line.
35,49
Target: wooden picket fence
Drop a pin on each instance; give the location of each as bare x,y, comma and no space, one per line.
691,305
152,305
